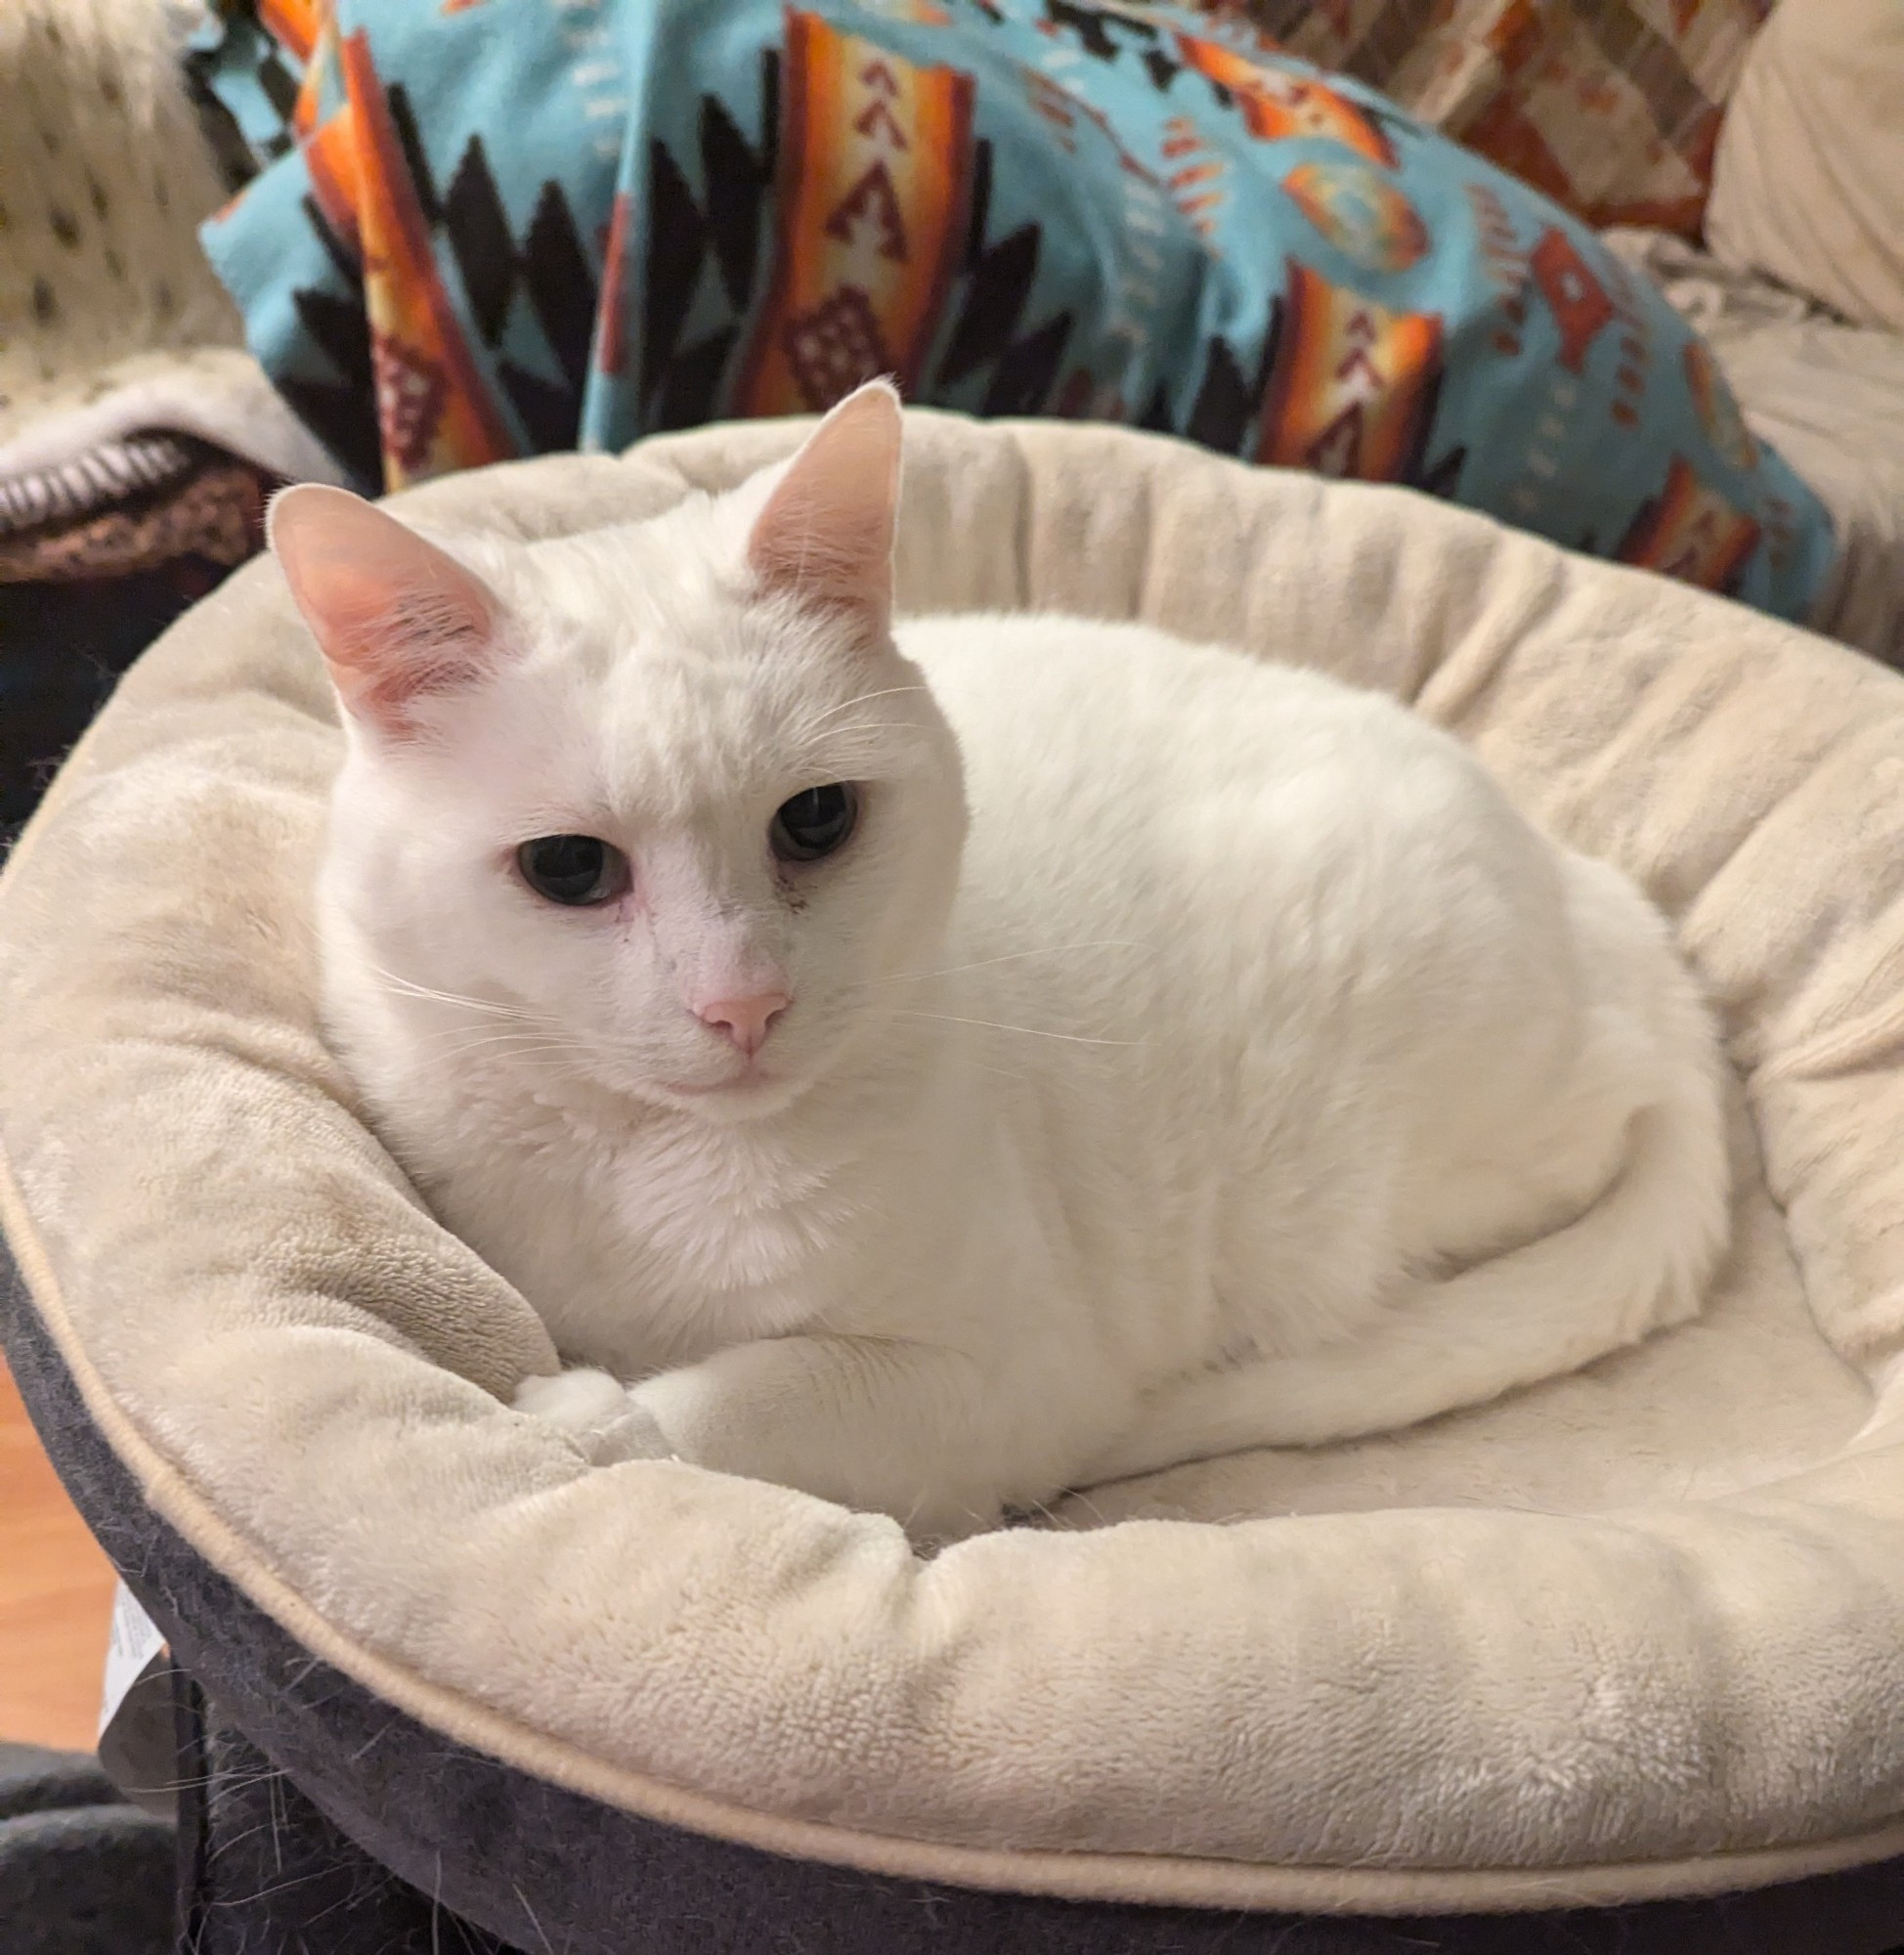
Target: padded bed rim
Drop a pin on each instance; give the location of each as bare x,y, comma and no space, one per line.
34,1297
698,1890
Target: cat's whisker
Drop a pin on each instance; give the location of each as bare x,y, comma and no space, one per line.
520,1022
541,1029
1082,1498
534,1041
459,1035
1031,1031
979,1065
833,733
471,1038
465,1038
407,987
884,693
506,1014
479,1004
504,1047
525,1017
513,1016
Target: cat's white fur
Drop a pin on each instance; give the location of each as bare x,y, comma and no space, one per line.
1185,1054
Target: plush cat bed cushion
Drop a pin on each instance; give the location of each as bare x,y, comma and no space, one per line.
1640,1631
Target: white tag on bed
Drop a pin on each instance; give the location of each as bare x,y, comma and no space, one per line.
137,1743
134,1643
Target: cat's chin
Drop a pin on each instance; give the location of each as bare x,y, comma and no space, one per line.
748,1096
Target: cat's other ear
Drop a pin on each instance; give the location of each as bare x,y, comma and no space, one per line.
396,617
824,534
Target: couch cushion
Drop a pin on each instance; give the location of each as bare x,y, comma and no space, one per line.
1808,186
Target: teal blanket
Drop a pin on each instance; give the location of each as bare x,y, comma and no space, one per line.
488,227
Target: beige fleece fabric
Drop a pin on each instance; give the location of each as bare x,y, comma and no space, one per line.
1638,1631
1808,175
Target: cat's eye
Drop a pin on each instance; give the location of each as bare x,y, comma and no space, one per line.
815,823
578,870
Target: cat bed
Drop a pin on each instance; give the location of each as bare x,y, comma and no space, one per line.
1636,1634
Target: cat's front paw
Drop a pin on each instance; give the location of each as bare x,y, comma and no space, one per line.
598,1413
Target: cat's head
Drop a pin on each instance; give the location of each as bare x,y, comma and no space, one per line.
661,804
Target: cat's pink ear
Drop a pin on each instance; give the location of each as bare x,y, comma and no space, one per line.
394,616
825,534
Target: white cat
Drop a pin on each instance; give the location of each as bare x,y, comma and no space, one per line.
947,1063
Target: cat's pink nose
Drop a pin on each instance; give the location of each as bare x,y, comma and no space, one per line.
745,1020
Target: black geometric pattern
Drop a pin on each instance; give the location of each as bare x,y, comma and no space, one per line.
281,87
550,413
993,290
1226,414
1443,478
1026,374
739,180
677,248
690,389
1155,417
237,160
341,330
410,142
1107,36
1099,31
549,272
340,412
554,272
696,252
1415,470
1229,404
996,287
238,156
485,247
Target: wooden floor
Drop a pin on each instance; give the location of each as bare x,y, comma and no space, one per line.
56,1597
